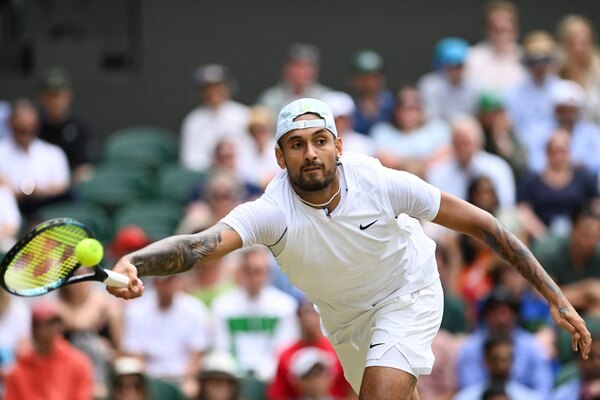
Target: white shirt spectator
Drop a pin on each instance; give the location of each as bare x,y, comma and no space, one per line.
166,337
15,326
451,178
492,71
44,164
255,329
203,128
442,99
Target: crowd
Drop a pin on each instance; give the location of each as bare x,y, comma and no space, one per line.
511,125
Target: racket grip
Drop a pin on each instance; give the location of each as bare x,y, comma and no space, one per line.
116,279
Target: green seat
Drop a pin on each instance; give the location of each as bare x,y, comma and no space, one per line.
113,191
158,218
176,183
93,216
147,145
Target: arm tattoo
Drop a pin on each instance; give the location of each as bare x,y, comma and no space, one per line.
177,253
514,252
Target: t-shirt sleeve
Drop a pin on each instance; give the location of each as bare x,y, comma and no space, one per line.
411,195
257,222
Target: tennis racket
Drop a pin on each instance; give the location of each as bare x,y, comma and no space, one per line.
45,260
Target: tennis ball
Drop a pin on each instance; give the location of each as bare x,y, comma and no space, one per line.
89,252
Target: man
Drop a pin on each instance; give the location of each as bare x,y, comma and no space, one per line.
255,320
344,229
470,161
498,358
446,90
217,118
283,387
529,366
173,355
36,171
52,369
63,126
374,103
299,78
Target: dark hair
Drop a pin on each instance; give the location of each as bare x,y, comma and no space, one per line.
494,340
589,209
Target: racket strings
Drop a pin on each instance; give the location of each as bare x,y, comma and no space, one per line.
46,260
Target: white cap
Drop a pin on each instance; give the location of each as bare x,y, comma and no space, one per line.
286,123
220,363
341,103
127,365
567,93
305,359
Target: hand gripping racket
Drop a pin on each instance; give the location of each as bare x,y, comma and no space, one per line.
45,260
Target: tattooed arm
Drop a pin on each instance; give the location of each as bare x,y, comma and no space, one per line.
173,255
463,217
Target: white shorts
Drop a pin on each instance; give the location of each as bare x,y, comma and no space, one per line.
401,331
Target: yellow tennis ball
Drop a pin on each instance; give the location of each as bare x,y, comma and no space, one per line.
89,252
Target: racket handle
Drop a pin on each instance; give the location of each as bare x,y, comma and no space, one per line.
116,279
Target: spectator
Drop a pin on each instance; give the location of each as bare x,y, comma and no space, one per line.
283,386
36,171
343,109
15,331
4,116
52,369
495,62
529,366
498,358
255,320
127,239
173,355
131,382
374,103
469,160
410,141
447,90
97,333
530,103
62,125
261,165
10,218
299,78
311,373
548,199
580,60
217,118
500,138
220,378
586,385
574,260
220,193
568,98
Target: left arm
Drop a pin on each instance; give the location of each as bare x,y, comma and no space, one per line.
461,216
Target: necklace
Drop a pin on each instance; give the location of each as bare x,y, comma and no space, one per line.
323,204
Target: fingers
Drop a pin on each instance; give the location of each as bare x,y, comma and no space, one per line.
133,291
581,337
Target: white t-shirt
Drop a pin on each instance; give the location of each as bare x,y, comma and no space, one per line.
10,210
371,247
255,330
45,163
165,338
203,128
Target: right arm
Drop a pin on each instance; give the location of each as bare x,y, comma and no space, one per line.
174,255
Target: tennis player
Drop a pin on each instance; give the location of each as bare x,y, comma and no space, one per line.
346,232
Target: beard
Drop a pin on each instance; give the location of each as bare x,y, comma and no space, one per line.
313,183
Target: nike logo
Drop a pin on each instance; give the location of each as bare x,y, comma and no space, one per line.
375,345
362,228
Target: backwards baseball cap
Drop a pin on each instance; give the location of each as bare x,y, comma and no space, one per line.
286,123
